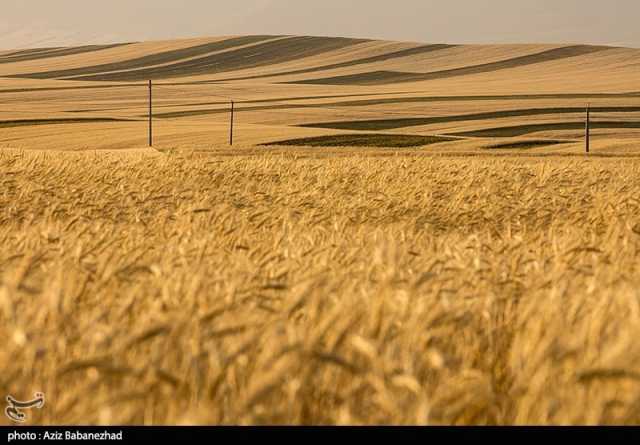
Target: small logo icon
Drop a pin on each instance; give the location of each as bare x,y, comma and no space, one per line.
15,407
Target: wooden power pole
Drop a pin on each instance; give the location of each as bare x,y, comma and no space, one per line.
588,130
150,114
231,126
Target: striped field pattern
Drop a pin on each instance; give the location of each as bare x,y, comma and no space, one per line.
301,87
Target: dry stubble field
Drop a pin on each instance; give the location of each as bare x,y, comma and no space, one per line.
297,288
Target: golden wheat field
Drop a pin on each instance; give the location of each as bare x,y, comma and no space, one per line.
297,288
402,233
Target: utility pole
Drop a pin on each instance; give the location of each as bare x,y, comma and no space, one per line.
150,114
231,126
588,130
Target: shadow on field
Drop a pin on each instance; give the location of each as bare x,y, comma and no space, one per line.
245,57
524,145
151,59
392,124
386,77
80,120
521,130
363,140
37,54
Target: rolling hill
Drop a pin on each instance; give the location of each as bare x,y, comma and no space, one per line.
288,87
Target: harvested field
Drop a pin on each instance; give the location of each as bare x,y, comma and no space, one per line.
382,77
521,130
166,57
392,124
476,92
30,122
272,52
27,55
419,50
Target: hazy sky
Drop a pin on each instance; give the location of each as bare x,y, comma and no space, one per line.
25,23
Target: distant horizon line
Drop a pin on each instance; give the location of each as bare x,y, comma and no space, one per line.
151,40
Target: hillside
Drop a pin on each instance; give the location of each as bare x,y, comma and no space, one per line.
285,87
